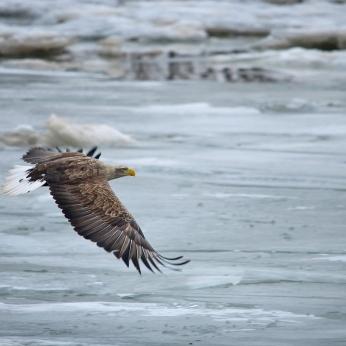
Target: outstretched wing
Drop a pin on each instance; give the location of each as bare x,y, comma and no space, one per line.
41,154
88,202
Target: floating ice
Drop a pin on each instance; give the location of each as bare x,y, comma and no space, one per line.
45,29
243,195
340,258
325,39
22,135
288,58
23,43
153,310
260,276
64,132
302,208
33,64
196,282
194,108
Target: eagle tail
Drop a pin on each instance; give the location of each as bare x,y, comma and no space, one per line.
18,182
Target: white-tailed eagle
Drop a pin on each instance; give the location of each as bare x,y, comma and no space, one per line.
79,186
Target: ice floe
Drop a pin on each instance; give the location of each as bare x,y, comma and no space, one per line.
333,39
152,310
338,258
42,29
61,131
199,108
243,195
24,43
288,58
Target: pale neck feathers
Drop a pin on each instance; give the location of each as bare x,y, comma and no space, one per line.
111,172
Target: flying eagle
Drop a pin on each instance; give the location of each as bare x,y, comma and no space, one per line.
79,186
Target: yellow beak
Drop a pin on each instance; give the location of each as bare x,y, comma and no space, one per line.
130,171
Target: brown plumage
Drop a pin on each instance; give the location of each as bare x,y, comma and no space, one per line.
79,186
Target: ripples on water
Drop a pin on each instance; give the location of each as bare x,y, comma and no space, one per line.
245,179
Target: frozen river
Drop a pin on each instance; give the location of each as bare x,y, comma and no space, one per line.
247,182
238,144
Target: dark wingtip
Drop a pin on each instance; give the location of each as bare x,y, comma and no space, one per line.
153,263
146,263
170,259
125,256
175,269
149,261
136,264
115,253
91,151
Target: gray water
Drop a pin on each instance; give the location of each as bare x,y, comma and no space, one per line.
235,126
254,196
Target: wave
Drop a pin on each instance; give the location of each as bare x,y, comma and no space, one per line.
62,132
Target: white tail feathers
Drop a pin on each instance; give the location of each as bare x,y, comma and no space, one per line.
17,182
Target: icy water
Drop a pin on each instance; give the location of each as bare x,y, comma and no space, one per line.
236,128
247,182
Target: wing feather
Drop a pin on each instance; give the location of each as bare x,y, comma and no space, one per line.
93,232
107,242
79,186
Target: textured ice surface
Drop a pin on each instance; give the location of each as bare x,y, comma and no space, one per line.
134,39
60,131
245,177
246,180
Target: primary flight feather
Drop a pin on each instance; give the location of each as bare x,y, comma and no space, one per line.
79,186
